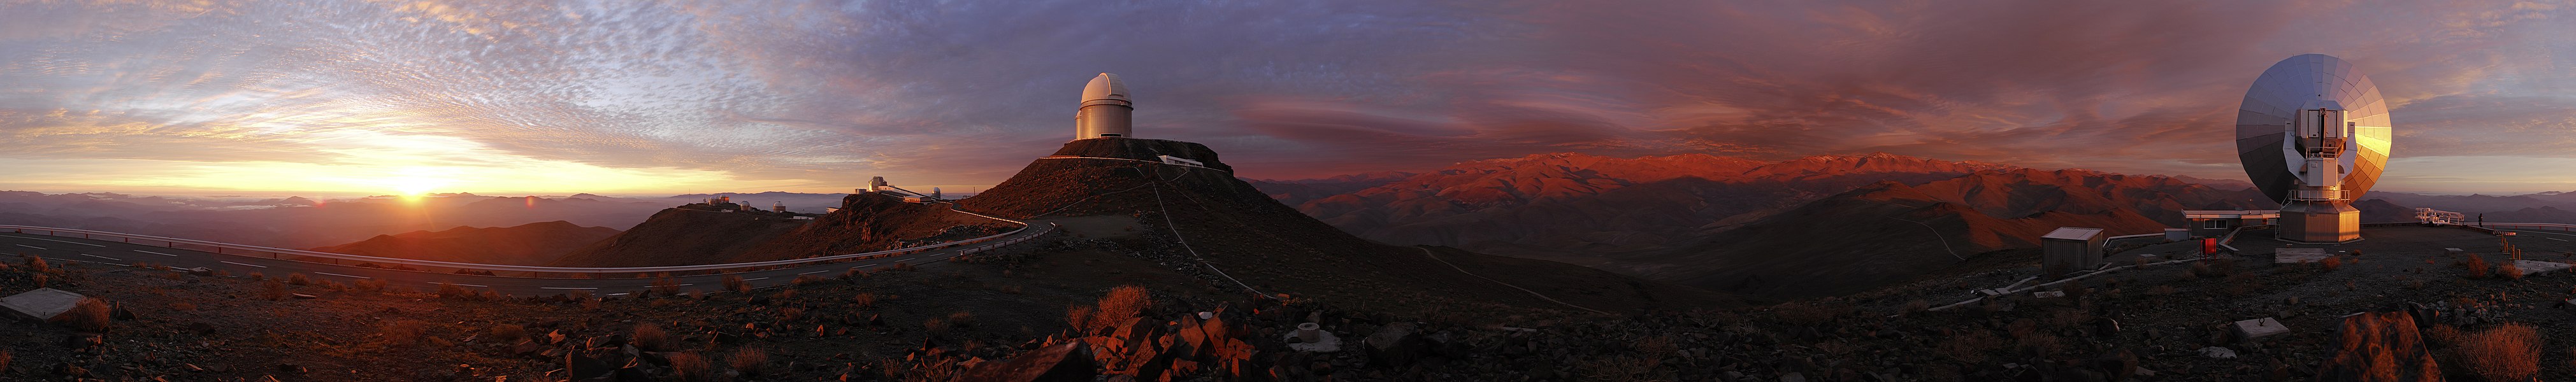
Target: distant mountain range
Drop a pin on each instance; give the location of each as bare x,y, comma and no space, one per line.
298,222
1813,226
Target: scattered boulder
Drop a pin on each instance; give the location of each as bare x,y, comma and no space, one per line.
2215,352
2248,330
1397,344
1067,362
2379,347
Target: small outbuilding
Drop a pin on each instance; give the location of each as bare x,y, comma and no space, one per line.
2070,249
2215,223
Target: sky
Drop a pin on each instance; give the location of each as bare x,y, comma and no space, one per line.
620,97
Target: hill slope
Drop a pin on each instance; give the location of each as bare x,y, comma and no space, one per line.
1275,249
527,244
679,236
1891,232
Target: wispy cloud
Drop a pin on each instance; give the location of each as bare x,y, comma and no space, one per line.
706,96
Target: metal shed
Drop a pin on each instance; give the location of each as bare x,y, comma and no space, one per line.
2070,249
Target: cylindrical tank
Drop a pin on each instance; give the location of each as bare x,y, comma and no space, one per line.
1105,111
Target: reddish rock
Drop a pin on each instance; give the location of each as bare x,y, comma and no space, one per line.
1068,362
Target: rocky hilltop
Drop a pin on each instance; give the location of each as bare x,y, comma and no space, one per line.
1272,248
527,244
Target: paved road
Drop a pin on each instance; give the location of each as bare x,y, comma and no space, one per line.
58,249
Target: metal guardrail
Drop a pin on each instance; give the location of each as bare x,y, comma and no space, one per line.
2528,226
237,249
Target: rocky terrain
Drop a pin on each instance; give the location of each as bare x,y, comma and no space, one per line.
527,244
1065,312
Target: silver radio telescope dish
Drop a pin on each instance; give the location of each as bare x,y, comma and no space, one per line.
2308,81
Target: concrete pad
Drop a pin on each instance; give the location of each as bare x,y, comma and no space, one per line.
40,304
2258,328
2298,255
2532,267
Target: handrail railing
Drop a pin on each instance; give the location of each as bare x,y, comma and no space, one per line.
220,247
2529,226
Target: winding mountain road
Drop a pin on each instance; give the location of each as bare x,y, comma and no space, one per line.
59,248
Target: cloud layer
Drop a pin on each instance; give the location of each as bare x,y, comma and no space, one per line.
817,96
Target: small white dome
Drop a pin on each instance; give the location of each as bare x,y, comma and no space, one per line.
1105,89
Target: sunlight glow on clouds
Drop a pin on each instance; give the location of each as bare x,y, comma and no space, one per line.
653,97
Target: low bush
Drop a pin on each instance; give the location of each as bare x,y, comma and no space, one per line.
451,291
272,290
735,284
651,337
508,333
807,279
402,333
689,367
299,279
666,286
37,264
2332,262
2509,271
2477,266
863,300
88,315
2506,353
961,319
750,360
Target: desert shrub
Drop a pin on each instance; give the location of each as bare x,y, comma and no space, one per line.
690,367
1916,306
402,333
735,284
961,319
590,303
1122,304
1078,316
1810,312
791,314
2075,291
272,290
807,279
299,279
490,295
508,333
580,294
2508,271
750,359
183,307
1969,346
4,360
41,280
651,337
88,315
2332,262
697,295
451,291
864,300
37,264
2477,266
935,326
902,266
2199,269
2506,353
787,294
256,276
666,286
2442,334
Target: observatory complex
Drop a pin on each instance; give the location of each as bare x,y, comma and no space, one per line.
2313,135
1105,112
